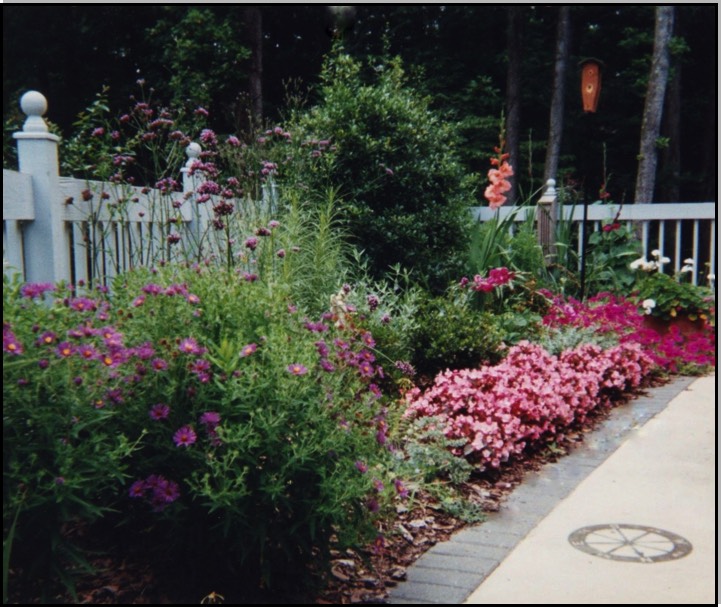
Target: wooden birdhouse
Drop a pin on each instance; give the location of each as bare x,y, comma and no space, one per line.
590,84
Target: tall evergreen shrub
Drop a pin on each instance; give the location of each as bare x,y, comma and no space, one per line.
395,163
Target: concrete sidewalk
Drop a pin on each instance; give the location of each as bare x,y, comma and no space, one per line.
639,495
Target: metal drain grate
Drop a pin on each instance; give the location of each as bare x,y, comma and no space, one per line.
630,543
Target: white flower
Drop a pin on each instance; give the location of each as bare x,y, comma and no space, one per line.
656,253
689,262
648,305
638,263
663,260
686,269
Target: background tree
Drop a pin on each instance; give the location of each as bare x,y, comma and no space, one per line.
560,74
653,109
513,96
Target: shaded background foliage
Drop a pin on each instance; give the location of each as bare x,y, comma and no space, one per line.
457,54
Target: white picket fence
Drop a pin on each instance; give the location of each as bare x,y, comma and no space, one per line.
678,230
53,232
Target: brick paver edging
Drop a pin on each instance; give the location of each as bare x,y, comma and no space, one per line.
450,571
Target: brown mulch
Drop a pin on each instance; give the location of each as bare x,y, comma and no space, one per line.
362,576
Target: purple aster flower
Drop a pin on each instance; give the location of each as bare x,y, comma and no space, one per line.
326,365
210,419
378,485
36,289
47,338
63,350
323,350
159,411
168,492
251,243
43,363
184,437
11,345
189,346
297,369
375,390
234,141
152,289
159,364
372,505
83,304
137,489
145,351
401,488
361,466
248,350
87,352
366,369
138,301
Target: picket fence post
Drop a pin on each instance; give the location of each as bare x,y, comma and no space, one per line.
45,241
547,216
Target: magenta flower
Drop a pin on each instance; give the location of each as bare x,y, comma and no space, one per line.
210,419
87,352
361,466
159,364
47,338
36,289
184,437
251,243
159,412
63,350
190,346
297,369
168,492
248,350
83,304
11,345
137,489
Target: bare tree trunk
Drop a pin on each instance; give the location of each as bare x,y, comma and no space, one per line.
653,109
254,23
670,186
555,121
513,97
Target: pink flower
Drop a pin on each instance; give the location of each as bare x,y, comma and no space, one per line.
190,346
185,437
159,412
296,369
248,350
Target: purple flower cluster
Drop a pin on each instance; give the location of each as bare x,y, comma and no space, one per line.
157,490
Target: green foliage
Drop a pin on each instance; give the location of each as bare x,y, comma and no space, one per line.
395,165
609,252
558,339
451,334
275,424
673,298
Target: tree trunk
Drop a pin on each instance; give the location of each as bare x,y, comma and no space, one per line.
254,23
670,188
653,109
513,97
555,122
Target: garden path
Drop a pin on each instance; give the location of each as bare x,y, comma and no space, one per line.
627,518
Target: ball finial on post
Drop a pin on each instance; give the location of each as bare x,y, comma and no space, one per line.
34,105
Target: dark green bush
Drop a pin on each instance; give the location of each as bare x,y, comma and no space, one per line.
395,164
452,335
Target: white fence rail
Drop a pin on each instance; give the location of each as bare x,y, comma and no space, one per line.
53,230
678,230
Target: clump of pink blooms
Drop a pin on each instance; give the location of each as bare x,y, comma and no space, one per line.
529,398
608,313
498,177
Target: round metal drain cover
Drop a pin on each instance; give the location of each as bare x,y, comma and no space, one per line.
630,543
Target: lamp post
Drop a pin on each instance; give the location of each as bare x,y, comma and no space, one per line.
590,93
